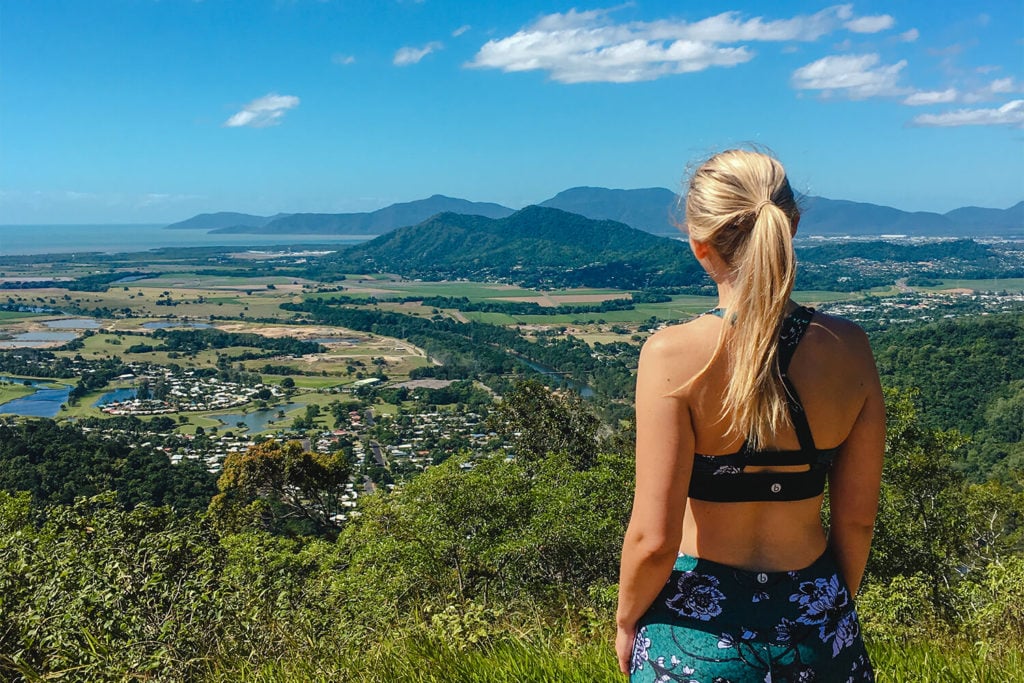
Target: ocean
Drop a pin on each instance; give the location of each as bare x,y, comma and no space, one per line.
69,239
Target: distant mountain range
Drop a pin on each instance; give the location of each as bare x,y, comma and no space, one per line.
653,210
369,223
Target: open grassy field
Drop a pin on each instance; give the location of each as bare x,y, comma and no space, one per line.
18,315
994,285
9,392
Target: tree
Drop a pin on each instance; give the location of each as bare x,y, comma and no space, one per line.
282,488
934,529
538,421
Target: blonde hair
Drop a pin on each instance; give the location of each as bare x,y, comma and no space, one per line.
740,203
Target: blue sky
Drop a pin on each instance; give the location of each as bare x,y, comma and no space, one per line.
152,111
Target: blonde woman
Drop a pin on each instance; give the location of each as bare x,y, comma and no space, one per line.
742,415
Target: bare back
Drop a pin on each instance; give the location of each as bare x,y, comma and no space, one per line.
834,376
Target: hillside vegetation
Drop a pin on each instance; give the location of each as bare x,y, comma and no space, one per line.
484,568
969,376
533,246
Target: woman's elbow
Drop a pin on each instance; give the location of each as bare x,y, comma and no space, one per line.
650,543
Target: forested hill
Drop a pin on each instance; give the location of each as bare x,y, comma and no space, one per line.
970,374
535,245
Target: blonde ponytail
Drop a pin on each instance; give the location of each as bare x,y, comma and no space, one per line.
741,204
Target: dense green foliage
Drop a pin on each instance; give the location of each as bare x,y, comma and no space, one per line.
193,341
58,463
970,377
36,363
283,489
485,568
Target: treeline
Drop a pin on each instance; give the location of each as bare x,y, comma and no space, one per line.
57,463
97,282
36,363
194,341
462,303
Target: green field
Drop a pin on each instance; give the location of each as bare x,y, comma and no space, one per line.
994,285
9,392
17,315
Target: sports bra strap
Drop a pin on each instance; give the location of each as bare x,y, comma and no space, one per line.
793,328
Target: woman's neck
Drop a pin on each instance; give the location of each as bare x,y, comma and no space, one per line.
727,295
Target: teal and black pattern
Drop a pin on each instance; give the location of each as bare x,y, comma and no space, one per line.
713,623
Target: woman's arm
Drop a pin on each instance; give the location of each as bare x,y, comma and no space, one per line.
856,475
664,459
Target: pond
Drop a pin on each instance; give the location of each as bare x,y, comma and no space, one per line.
176,324
36,339
73,324
115,396
43,403
257,420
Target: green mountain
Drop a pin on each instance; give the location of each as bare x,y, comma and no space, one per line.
373,222
535,245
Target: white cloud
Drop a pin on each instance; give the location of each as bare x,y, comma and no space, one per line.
460,30
875,24
342,59
910,36
1010,114
855,76
992,91
412,55
579,46
924,97
1003,85
263,111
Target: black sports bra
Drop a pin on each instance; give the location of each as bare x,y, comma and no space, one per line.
722,479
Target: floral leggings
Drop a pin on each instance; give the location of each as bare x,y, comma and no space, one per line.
713,623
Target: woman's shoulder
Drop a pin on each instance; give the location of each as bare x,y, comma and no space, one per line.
682,350
682,338
838,336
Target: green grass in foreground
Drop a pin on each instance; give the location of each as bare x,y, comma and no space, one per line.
516,660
